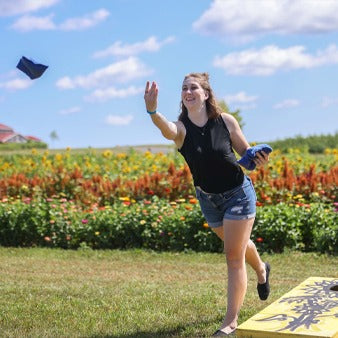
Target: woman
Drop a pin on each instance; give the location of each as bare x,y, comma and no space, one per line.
206,137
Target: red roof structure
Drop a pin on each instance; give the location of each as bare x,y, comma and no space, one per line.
8,135
33,138
4,128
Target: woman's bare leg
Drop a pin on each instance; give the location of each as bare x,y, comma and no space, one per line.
251,256
236,237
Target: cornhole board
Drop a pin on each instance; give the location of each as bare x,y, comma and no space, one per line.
308,310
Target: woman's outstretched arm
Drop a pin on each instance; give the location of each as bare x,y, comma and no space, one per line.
170,130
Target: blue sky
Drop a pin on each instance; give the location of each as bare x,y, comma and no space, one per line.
275,60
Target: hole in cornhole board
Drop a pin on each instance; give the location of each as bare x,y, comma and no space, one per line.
334,288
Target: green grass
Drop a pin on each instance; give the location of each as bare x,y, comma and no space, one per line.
85,293
154,148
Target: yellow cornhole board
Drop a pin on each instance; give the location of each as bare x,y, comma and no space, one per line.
308,310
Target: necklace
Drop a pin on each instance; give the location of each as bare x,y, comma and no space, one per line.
200,130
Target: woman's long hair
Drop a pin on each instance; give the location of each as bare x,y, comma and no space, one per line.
212,107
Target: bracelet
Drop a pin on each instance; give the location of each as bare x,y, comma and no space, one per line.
151,112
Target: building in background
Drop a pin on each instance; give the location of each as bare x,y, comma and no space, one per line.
8,135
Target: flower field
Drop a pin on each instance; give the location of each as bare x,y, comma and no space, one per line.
104,199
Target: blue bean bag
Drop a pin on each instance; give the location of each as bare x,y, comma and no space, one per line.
247,160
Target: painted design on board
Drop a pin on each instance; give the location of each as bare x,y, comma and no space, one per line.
317,301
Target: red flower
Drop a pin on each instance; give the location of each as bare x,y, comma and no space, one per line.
259,204
84,221
259,239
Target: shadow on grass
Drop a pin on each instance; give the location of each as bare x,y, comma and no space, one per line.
174,332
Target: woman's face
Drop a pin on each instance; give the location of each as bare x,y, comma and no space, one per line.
193,95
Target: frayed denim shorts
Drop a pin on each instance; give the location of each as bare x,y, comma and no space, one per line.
236,204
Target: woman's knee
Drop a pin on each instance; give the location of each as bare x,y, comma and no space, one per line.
235,258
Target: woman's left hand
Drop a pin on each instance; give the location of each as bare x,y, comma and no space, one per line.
261,159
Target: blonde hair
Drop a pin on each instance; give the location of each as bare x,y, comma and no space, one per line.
212,107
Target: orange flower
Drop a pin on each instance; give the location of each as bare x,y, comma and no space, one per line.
205,225
193,201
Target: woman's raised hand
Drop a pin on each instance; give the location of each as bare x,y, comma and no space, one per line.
150,96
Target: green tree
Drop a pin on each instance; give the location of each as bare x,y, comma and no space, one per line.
236,114
54,136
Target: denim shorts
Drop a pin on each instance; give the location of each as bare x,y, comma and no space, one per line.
236,204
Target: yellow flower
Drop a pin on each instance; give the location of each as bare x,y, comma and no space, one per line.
58,157
121,156
205,225
148,155
97,233
126,170
124,199
107,154
34,151
142,222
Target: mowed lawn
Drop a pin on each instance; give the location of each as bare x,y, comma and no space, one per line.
135,293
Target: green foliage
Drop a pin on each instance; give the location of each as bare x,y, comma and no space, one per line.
313,144
310,228
159,225
20,146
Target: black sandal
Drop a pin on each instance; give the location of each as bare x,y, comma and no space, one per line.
220,333
264,289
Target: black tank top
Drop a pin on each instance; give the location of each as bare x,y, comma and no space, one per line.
210,157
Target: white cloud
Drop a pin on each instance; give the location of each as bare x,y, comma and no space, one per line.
86,21
30,22
288,103
270,59
18,7
241,100
16,84
249,18
119,72
71,110
149,45
111,92
329,101
116,120
240,97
